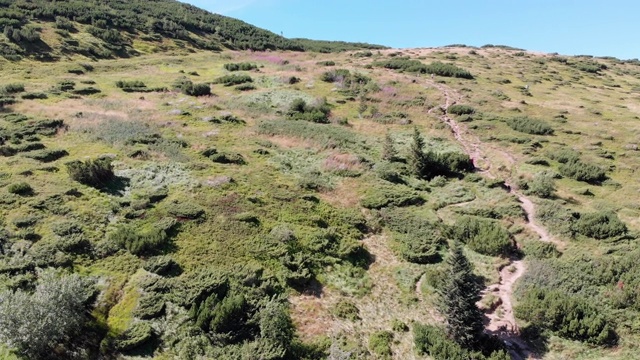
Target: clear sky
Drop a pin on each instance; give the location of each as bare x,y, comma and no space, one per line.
570,27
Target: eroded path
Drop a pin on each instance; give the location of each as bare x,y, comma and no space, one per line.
501,320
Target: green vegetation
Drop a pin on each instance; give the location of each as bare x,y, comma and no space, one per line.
240,66
484,236
95,172
436,68
530,126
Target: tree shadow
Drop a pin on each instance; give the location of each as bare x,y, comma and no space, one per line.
117,186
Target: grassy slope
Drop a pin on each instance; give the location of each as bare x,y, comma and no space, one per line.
387,290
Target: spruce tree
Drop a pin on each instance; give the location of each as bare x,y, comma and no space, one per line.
459,295
389,152
417,159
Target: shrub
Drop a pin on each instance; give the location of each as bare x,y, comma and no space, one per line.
245,66
33,96
43,323
345,309
228,158
380,343
96,172
86,91
433,341
381,196
541,250
599,225
245,87
300,110
567,315
187,87
327,136
542,185
21,188
46,155
326,63
419,239
186,210
530,126
12,88
581,171
234,79
135,336
139,241
484,236
461,110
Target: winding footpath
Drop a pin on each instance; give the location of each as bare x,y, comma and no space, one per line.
500,318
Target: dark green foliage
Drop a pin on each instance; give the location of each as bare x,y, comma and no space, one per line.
484,236
599,225
345,309
65,85
323,46
433,341
380,343
389,152
326,63
161,265
542,185
21,188
240,66
135,336
86,91
12,88
186,210
188,87
140,240
461,110
569,316
430,164
335,75
46,155
458,298
300,110
419,239
33,96
94,172
581,171
150,306
541,250
530,126
227,158
132,85
233,79
437,68
379,196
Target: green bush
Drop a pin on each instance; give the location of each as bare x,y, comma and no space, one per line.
234,79
541,250
186,210
135,336
483,236
300,110
419,239
581,171
569,316
245,87
94,172
187,87
33,96
139,241
12,88
599,225
437,68
46,155
461,110
245,66
21,188
380,343
542,185
530,126
345,309
380,196
432,341
326,63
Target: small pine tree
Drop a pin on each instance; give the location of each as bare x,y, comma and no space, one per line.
389,152
459,295
417,158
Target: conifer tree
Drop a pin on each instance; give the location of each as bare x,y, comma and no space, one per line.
459,295
389,152
417,159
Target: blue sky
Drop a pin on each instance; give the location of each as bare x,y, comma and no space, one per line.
571,27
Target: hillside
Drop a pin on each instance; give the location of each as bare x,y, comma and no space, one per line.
288,204
50,30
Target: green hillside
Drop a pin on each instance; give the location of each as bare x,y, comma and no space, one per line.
319,200
48,30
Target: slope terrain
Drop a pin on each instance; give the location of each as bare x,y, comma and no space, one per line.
188,203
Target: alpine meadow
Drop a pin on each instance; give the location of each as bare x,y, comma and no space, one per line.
177,184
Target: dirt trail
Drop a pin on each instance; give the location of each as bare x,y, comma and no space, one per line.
500,318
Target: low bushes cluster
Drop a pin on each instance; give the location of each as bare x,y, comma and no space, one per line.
433,341
382,195
21,188
244,66
582,171
46,155
419,239
437,68
233,79
569,316
461,110
327,136
599,225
